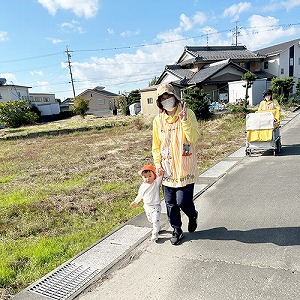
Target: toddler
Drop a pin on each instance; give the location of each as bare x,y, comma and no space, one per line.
149,191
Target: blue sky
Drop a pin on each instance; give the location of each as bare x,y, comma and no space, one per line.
123,44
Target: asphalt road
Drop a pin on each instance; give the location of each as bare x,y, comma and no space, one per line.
247,244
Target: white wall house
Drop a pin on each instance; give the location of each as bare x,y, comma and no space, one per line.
10,92
46,103
282,60
237,92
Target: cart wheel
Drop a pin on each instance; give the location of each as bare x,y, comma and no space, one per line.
248,152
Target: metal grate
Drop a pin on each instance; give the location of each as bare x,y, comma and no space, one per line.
61,284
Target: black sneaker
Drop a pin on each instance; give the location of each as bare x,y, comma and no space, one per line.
177,235
193,223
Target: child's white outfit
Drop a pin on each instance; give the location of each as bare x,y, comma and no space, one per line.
150,194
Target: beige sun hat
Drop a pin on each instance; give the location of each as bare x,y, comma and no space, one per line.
166,88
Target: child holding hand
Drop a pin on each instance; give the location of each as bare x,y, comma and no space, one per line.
149,192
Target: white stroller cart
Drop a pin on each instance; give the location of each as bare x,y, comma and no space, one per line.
262,132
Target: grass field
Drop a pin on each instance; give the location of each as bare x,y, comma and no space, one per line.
61,193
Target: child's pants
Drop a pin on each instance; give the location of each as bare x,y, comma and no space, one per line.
153,216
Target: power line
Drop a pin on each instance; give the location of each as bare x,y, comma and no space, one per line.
151,44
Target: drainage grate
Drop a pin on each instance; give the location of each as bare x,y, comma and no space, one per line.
61,284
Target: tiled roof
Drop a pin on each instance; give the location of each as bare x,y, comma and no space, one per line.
179,71
277,48
263,74
212,69
216,53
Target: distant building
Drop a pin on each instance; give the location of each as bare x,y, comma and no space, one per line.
218,71
46,103
101,102
11,92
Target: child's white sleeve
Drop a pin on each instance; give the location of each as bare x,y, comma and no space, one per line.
158,180
139,196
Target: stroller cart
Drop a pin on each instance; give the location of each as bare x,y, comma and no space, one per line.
263,132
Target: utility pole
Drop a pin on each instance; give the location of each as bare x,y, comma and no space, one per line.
237,32
70,68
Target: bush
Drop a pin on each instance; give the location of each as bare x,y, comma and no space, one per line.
196,100
17,113
238,110
80,106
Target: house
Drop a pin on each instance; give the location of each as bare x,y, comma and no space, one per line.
46,103
11,92
282,60
101,102
208,67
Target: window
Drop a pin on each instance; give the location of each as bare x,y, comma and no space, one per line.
299,61
266,65
282,71
291,61
0,96
149,100
46,99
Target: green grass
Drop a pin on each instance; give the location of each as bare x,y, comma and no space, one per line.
62,193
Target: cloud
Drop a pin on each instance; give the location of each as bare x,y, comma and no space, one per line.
291,4
212,36
277,5
39,73
71,26
10,77
43,86
111,31
263,31
54,40
129,33
128,71
236,9
3,36
187,23
85,8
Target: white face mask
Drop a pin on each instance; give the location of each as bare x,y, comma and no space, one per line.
268,98
168,104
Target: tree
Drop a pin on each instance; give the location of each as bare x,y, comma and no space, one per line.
249,77
152,81
133,97
80,106
282,87
197,101
18,113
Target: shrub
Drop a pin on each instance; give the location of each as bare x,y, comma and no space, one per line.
17,113
80,106
196,100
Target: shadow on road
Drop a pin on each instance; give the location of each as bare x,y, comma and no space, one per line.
290,150
281,236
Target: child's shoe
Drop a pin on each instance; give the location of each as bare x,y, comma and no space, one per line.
154,236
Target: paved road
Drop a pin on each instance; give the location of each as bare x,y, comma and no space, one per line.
247,245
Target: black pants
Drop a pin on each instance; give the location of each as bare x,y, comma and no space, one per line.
176,199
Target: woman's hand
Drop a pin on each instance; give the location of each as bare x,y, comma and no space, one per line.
183,113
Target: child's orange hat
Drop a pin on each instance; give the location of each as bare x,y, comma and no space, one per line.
147,168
